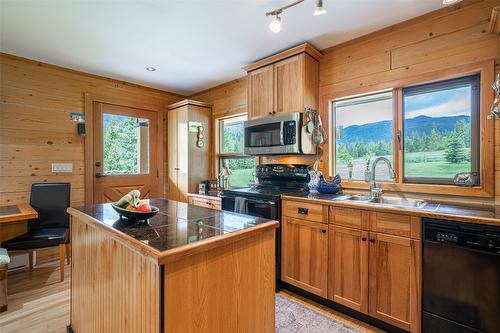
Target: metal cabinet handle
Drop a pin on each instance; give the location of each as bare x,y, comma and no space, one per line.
363,239
372,240
302,211
323,231
99,175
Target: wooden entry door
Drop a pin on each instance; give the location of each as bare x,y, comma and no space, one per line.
125,146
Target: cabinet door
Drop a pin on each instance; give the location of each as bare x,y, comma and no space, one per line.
348,267
173,191
260,92
182,153
304,255
395,280
289,84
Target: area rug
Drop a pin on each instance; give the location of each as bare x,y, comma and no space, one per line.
295,317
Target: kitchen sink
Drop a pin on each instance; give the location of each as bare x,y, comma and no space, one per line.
402,202
358,198
389,201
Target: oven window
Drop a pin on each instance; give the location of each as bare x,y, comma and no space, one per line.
266,135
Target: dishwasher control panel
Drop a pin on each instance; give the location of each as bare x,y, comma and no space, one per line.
473,236
446,237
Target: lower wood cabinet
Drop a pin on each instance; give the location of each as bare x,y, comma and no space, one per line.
368,261
304,254
348,267
394,283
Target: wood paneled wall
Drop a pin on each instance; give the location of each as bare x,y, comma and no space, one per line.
446,38
227,99
35,126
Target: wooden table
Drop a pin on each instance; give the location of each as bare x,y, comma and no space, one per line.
14,220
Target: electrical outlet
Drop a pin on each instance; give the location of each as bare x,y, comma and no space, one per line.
62,167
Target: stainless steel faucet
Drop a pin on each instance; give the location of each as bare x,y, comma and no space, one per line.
376,192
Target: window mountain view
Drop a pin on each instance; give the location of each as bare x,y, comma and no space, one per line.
436,132
439,144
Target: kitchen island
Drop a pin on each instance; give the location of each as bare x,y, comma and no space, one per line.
189,269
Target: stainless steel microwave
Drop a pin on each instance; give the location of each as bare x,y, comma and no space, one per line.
278,135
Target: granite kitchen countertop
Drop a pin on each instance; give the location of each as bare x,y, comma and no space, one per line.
175,227
472,213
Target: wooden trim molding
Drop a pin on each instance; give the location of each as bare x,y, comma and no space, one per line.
89,100
189,102
486,188
302,48
494,21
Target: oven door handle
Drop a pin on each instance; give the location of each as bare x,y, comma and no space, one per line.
251,200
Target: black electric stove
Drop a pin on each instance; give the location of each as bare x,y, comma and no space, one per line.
263,200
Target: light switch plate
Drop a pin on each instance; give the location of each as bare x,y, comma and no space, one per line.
62,167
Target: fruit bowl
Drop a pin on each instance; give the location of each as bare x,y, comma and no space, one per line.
135,215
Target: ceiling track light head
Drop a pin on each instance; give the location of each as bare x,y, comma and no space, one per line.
319,8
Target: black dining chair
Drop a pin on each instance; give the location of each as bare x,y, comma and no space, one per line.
51,228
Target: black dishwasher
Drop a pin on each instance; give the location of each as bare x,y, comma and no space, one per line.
461,277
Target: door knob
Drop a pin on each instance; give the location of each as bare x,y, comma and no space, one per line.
363,239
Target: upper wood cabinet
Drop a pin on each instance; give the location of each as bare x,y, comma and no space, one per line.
260,92
285,82
188,164
304,254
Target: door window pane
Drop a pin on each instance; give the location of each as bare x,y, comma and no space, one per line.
242,169
231,130
441,128
125,145
363,132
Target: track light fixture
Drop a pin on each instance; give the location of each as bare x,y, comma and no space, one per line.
275,25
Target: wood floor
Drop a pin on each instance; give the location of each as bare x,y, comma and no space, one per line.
39,303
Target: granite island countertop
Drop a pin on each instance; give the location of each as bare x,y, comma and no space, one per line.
472,213
178,228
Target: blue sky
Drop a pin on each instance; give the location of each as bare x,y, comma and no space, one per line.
452,102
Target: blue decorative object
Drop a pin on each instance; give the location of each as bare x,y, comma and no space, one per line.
329,187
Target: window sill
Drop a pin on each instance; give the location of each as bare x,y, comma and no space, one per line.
476,191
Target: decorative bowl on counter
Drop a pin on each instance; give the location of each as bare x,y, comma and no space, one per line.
134,215
329,187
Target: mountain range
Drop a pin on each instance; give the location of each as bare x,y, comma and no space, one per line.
382,130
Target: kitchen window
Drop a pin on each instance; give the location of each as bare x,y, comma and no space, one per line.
363,132
441,130
230,150
430,132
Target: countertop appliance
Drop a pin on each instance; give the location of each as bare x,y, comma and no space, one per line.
461,277
278,135
264,199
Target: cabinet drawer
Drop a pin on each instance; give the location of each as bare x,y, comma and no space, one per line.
395,224
348,217
306,211
200,202
216,205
